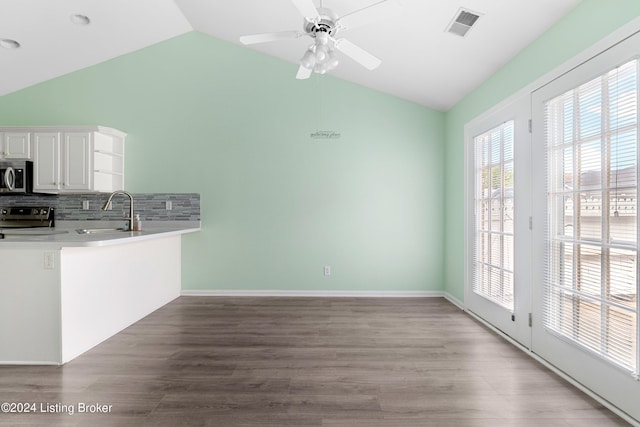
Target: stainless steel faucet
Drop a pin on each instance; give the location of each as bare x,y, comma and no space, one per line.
108,202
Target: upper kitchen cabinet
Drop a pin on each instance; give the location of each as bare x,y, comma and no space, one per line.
76,159
46,153
15,145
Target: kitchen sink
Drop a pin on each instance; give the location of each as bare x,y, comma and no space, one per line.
99,230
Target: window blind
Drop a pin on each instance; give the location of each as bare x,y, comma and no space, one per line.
591,265
494,212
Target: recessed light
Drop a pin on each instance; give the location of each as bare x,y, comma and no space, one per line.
9,44
80,19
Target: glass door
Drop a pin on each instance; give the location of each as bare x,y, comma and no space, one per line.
585,247
497,212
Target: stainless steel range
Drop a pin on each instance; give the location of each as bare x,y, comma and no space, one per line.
16,218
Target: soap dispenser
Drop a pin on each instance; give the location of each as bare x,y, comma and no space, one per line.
137,223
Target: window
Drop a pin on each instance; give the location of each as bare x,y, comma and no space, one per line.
591,285
494,212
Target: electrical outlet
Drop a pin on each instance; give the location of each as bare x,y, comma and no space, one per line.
168,205
49,261
327,270
85,205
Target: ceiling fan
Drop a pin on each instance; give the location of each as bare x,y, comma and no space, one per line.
322,24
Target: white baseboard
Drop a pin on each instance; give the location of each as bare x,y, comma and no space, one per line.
453,300
317,294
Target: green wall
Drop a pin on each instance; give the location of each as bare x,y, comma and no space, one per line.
383,205
589,22
207,116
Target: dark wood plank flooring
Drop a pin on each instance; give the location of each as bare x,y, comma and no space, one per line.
209,361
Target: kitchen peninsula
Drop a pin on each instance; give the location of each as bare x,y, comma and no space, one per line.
64,291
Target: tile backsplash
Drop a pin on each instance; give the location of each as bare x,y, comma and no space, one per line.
150,206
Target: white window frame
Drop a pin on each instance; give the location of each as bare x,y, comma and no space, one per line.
612,386
598,342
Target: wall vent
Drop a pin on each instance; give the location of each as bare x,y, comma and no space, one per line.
462,22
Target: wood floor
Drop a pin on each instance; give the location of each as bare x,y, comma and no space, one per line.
205,361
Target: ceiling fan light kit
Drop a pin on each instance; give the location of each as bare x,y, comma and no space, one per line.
320,57
322,24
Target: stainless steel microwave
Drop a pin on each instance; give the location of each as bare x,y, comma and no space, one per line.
16,177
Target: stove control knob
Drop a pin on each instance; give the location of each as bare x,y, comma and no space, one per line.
4,212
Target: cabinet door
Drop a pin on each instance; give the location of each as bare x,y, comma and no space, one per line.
76,164
16,145
46,156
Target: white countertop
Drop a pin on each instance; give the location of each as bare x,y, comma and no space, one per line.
65,234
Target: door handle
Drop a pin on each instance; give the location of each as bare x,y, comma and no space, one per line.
10,178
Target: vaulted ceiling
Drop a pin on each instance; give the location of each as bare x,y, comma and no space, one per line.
421,61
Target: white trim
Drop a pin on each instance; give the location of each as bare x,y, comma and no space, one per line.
30,363
610,406
316,294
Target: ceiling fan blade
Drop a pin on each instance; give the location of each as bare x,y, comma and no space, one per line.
270,37
303,73
375,12
307,9
358,54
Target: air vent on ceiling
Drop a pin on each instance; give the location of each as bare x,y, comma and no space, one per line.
462,22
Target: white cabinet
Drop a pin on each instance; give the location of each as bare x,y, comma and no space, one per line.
15,145
46,155
80,159
76,161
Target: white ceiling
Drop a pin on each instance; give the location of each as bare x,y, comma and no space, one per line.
51,45
420,61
